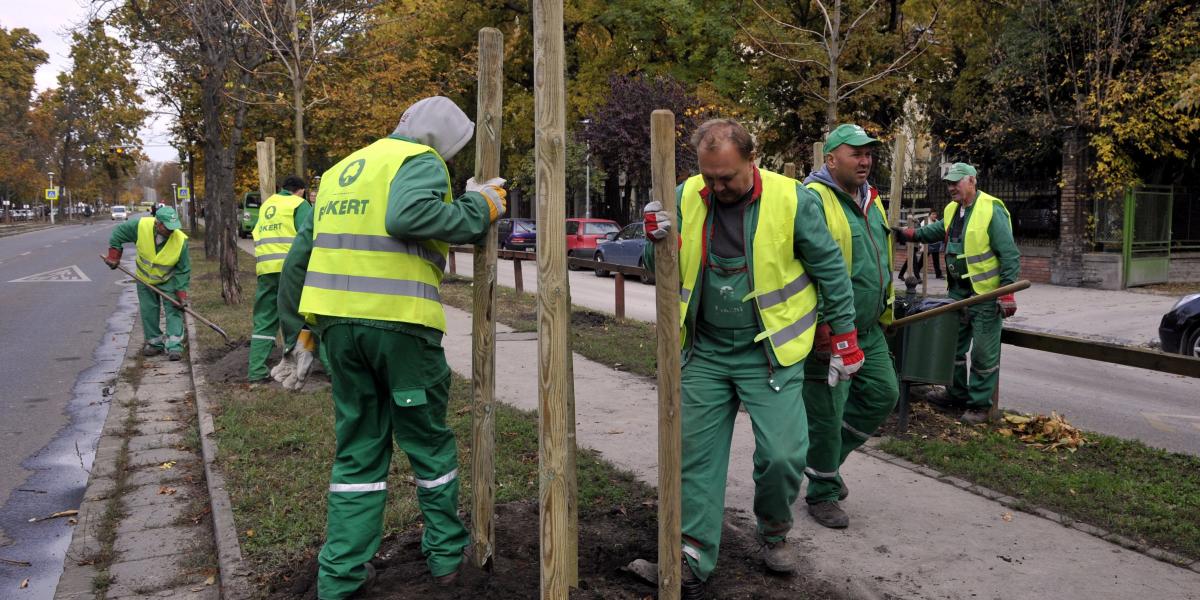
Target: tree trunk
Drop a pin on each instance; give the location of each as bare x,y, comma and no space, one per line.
218,183
834,52
298,124
191,174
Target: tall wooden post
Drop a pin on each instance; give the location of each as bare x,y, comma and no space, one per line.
897,195
666,281
555,407
490,97
789,169
266,168
818,155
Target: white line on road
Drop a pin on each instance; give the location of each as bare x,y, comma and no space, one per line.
26,253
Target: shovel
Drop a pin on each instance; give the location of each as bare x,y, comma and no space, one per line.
168,298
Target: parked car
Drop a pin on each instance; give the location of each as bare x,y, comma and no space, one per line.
624,248
118,213
250,203
1179,330
582,235
517,234
1036,216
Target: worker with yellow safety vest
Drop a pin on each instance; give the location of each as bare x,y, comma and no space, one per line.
755,260
980,257
162,261
278,220
841,418
369,265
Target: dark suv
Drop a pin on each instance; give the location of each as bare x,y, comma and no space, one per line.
517,234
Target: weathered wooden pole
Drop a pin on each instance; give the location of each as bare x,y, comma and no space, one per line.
818,154
789,169
555,407
666,281
490,98
266,168
897,196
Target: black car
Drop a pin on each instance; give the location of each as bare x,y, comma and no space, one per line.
517,234
1179,330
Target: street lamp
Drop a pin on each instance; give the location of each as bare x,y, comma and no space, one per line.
587,174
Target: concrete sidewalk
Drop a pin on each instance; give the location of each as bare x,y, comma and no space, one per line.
913,534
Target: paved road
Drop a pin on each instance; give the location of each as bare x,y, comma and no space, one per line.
1159,409
61,343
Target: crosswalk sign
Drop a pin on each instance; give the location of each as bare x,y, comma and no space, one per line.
52,193
182,193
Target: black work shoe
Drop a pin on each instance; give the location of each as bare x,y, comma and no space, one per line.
829,514
843,492
941,397
691,588
974,416
776,557
175,355
448,579
149,350
368,583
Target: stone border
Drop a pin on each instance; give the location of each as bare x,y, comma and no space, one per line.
1017,504
235,583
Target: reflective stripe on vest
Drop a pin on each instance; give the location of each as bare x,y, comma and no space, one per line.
839,229
156,267
274,233
356,269
983,267
785,299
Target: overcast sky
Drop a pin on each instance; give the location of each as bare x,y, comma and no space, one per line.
51,20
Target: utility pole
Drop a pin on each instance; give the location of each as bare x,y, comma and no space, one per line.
51,200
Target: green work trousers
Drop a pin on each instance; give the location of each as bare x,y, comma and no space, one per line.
266,322
727,367
979,334
844,417
386,385
150,304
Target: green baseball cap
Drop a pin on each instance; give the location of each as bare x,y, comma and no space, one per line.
848,133
168,217
958,171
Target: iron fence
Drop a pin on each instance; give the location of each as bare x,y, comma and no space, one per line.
1034,205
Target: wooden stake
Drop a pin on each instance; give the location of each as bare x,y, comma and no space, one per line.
666,281
897,196
483,320
555,407
789,169
266,168
818,155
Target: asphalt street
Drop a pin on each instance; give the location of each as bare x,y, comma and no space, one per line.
1160,409
61,345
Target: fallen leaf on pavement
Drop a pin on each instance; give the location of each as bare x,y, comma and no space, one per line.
166,491
57,515
25,583
211,580
167,465
72,521
16,563
614,431
1006,517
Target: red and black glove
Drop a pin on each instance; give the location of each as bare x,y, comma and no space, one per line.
904,235
114,258
847,357
1008,305
183,297
656,221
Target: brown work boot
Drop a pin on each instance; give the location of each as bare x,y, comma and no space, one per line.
776,557
175,355
149,350
843,491
829,514
691,588
448,579
974,416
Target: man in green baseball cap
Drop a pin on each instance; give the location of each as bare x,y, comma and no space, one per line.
162,261
980,257
843,416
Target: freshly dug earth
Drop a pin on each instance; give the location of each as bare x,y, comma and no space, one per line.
228,364
607,542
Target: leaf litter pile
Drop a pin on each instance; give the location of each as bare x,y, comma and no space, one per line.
1047,433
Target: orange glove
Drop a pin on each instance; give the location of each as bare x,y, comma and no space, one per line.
1008,305
114,258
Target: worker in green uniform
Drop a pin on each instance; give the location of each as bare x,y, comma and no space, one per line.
980,257
278,220
369,274
841,418
162,261
754,252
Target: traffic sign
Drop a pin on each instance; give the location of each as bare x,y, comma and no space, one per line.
52,193
182,193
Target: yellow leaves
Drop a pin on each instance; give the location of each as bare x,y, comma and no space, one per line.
170,464
166,491
1006,517
1047,433
249,533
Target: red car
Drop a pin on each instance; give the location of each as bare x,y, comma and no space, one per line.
582,235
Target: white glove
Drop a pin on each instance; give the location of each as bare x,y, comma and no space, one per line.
284,369
656,221
492,191
303,359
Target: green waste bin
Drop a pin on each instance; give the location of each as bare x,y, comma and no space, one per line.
923,351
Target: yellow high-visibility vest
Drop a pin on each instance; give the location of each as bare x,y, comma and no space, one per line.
356,269
784,297
983,267
839,228
157,266
274,233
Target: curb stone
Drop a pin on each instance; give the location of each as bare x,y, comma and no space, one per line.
234,574
1023,506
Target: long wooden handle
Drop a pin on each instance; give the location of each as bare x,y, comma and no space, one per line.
961,304
483,317
173,301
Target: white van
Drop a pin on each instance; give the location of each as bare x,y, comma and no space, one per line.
119,213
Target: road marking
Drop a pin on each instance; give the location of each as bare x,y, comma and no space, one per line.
26,253
71,273
1159,421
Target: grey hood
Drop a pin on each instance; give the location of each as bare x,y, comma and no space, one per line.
438,123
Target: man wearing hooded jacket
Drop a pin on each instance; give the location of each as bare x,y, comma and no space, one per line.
369,266
843,417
